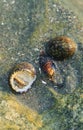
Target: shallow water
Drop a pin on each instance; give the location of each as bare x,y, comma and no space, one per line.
25,28
76,6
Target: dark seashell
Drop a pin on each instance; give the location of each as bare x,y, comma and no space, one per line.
22,77
61,48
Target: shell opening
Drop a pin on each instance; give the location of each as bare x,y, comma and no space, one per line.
22,80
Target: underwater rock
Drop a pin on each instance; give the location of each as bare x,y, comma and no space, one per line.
71,81
60,48
22,77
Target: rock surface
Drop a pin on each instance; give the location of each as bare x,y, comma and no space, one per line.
25,27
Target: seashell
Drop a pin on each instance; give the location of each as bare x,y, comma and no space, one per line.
47,65
22,77
60,48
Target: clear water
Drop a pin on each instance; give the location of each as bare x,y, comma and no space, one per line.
25,27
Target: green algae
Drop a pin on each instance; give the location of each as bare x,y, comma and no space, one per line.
66,113
16,115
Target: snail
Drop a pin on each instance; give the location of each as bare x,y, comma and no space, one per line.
22,77
47,65
60,48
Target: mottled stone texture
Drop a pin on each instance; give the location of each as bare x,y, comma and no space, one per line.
25,27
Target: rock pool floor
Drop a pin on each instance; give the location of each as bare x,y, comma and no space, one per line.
25,28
